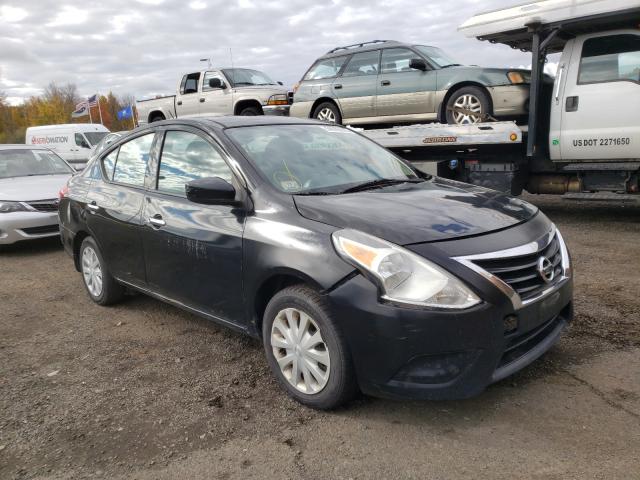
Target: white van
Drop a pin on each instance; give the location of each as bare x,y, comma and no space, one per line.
73,141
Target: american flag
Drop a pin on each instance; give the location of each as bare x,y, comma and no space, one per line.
93,100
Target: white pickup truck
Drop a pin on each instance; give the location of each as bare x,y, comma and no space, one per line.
225,91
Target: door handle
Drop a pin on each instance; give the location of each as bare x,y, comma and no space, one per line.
93,207
338,86
571,104
156,221
179,102
202,100
384,83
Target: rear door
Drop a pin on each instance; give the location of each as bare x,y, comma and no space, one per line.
193,252
188,98
216,101
355,88
402,90
114,207
601,98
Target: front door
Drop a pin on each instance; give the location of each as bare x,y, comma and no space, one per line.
114,208
355,88
402,90
216,101
188,99
601,99
193,252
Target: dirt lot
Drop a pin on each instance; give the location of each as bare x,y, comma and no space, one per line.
143,390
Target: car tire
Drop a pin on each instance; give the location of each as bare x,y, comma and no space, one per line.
323,371
250,112
102,288
157,118
473,98
328,112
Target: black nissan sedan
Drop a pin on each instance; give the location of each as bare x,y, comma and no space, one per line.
357,271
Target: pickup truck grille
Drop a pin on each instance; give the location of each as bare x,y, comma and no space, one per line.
45,205
521,273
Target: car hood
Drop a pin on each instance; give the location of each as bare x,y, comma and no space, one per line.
37,187
429,211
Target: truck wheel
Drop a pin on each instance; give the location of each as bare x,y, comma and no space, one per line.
157,118
306,349
327,112
474,99
250,112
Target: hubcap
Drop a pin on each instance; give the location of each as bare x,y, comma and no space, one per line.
467,102
300,350
327,115
91,271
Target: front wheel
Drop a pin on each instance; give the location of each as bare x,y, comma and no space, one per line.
467,105
100,285
305,349
250,112
327,112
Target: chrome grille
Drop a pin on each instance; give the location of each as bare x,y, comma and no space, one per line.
45,205
521,272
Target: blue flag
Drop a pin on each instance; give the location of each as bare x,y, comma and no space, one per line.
126,112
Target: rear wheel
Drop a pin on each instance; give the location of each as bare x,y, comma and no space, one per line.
465,102
305,349
327,112
100,285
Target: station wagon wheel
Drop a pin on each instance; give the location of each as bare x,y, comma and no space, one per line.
306,350
327,112
99,283
469,99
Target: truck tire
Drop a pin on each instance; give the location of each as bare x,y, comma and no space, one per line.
468,98
328,112
157,117
250,112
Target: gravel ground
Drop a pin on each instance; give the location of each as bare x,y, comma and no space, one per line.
144,390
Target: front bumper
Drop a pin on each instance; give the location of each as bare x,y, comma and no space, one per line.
402,352
19,226
276,110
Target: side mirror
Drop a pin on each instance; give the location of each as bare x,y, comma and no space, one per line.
417,64
216,83
210,191
280,83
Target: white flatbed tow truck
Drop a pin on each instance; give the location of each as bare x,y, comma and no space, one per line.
583,135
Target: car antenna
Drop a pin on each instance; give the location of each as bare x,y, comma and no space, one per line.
233,76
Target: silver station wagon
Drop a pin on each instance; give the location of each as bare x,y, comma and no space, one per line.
386,81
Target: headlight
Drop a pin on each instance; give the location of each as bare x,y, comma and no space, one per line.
8,207
402,276
515,77
278,99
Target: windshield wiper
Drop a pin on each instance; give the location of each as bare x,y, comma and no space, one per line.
379,183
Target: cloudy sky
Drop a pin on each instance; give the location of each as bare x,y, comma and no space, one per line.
142,47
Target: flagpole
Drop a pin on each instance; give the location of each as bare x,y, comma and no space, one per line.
99,109
89,107
133,116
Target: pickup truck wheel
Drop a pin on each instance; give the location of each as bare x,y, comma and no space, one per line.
249,112
327,112
473,99
157,118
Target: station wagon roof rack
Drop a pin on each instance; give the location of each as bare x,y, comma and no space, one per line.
357,45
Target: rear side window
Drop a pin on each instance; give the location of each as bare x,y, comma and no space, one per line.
326,68
185,157
131,163
396,60
610,59
365,63
109,162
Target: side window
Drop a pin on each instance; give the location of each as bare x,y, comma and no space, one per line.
327,68
185,157
396,60
81,141
109,162
189,83
365,63
208,76
610,59
132,161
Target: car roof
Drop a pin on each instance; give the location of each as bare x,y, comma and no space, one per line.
237,121
21,146
363,47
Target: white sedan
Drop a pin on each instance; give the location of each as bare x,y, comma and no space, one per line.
30,179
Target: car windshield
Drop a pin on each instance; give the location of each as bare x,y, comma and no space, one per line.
245,76
26,163
437,56
95,137
318,159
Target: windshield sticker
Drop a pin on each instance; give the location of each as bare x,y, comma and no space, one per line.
290,185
